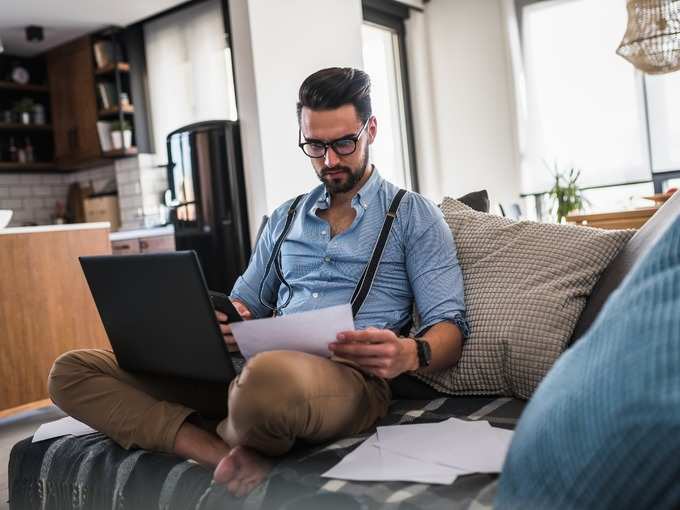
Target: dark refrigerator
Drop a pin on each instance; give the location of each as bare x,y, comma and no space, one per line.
207,199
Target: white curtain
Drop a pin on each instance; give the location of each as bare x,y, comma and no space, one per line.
582,104
189,70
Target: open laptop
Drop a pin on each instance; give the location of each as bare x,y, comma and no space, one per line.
158,315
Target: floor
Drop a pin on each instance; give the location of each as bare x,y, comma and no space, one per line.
14,429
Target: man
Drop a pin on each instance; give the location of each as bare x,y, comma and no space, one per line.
283,396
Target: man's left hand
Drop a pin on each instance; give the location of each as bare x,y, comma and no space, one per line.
378,351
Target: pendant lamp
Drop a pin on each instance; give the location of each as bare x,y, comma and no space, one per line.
652,40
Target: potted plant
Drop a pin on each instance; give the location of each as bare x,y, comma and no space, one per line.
23,109
565,192
121,134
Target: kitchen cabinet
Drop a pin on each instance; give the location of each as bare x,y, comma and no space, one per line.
70,72
46,307
150,244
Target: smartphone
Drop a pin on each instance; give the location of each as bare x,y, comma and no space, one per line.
221,303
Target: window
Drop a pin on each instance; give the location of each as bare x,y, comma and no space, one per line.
584,106
385,61
189,70
584,103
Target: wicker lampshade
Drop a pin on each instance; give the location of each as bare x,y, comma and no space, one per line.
652,40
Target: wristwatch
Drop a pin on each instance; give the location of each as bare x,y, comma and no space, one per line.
424,352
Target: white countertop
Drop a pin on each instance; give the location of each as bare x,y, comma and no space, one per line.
54,228
123,235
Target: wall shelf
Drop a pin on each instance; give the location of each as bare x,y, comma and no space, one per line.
109,112
25,127
119,153
8,166
8,85
122,67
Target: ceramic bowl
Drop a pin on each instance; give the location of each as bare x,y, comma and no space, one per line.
5,217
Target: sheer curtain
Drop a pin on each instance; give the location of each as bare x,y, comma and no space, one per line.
189,70
583,104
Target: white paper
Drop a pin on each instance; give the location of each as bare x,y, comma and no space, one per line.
64,427
473,446
309,332
371,463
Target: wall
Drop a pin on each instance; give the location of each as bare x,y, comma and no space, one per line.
464,100
276,46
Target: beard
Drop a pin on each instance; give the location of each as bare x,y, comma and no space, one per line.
343,178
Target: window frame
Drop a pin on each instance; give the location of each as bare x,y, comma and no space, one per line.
392,15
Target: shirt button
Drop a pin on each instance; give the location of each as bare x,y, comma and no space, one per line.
315,295
327,259
323,232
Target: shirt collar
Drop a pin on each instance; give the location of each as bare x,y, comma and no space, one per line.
364,196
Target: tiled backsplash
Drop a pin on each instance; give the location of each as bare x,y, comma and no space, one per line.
33,197
140,184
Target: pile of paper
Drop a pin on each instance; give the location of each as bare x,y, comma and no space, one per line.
426,453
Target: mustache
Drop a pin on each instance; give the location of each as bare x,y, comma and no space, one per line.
326,170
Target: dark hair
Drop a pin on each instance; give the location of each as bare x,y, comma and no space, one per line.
334,87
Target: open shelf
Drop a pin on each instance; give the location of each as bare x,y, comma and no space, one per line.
8,85
116,110
8,166
25,127
117,153
122,67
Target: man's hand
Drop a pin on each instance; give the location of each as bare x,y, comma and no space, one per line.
378,351
224,324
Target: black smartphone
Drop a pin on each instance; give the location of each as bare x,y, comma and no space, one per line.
222,304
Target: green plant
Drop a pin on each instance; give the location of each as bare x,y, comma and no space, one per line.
24,105
565,192
119,125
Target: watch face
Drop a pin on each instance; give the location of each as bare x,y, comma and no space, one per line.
20,75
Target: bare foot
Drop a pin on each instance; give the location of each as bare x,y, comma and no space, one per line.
241,470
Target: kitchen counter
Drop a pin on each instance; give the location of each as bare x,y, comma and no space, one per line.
54,228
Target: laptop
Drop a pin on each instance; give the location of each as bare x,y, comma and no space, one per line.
158,315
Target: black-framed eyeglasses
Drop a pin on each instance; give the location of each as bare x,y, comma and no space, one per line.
342,146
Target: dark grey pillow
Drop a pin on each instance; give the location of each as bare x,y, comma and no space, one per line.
477,200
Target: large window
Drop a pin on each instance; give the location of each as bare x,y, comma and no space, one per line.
586,107
385,61
189,70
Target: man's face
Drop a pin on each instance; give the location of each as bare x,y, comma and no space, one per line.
339,173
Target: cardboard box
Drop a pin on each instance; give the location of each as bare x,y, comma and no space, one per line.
104,208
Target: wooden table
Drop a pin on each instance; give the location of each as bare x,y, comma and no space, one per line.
46,307
634,218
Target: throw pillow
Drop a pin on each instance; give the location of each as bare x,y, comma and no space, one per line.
603,429
526,284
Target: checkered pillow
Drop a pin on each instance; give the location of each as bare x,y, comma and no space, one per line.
526,284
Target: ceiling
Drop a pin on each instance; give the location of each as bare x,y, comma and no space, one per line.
64,20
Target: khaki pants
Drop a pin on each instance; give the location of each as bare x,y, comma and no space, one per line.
280,396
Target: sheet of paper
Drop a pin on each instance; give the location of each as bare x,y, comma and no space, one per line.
64,427
471,446
371,463
309,332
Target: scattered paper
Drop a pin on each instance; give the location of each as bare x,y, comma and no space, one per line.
426,453
309,332
65,427
370,463
470,445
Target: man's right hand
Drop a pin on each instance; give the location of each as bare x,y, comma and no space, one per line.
224,325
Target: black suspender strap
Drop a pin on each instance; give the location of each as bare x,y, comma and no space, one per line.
275,258
366,281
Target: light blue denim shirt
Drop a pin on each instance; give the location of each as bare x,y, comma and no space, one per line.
419,261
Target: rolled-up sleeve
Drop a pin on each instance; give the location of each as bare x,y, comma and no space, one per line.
247,286
434,271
